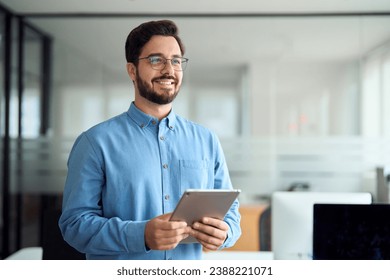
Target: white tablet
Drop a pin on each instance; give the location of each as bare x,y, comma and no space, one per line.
198,203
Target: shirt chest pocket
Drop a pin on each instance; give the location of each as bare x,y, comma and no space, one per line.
194,174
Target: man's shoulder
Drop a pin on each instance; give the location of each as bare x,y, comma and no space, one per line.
192,125
108,126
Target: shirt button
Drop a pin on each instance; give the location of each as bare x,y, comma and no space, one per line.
165,166
162,138
166,197
153,122
170,127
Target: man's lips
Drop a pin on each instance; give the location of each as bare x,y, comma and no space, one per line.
165,81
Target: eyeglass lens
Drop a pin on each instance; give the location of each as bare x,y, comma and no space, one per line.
159,63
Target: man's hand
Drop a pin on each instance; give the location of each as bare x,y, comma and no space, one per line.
210,232
162,234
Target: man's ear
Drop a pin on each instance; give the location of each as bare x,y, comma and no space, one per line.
131,70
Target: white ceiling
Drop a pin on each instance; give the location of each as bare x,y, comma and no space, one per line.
198,6
215,41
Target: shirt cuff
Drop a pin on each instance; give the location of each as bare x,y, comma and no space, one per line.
136,237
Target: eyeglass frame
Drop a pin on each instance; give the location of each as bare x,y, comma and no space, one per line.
183,59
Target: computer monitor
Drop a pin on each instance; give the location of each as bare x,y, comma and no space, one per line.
292,220
351,232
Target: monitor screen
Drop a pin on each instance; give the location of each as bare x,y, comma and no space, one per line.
292,220
351,232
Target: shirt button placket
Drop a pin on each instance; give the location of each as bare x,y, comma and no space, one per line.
166,180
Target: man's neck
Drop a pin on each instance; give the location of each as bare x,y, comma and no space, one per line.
156,110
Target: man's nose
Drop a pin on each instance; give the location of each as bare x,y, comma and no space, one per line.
168,68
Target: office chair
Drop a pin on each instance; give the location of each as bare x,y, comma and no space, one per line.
265,229
53,245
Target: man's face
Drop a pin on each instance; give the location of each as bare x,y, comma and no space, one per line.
159,86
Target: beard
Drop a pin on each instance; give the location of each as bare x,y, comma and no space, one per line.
150,94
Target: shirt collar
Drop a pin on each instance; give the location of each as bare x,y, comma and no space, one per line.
144,120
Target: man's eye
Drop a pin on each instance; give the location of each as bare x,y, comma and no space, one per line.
176,61
155,60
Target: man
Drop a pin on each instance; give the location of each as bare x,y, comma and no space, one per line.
126,175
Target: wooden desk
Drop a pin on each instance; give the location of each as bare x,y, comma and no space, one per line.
249,240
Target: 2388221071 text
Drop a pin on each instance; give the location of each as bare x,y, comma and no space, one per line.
238,270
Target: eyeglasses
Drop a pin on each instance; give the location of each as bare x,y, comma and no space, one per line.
159,62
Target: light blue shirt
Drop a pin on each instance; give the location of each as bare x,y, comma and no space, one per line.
131,168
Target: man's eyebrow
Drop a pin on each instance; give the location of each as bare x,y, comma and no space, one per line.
155,54
160,54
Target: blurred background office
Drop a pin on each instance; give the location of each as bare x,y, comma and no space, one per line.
298,92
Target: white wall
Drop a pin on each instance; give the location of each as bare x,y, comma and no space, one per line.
375,101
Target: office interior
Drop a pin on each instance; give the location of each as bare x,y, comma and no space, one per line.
299,96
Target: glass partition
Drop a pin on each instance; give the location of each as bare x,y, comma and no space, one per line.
2,122
21,102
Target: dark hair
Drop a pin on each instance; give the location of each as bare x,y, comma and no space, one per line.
140,35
